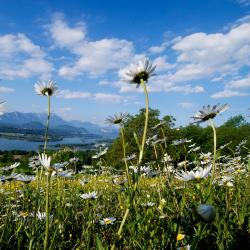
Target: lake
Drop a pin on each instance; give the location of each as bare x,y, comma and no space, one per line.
15,144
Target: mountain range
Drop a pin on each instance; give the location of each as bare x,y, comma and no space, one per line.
34,123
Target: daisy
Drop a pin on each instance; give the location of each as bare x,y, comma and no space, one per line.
15,165
181,141
25,178
45,88
107,221
100,154
45,161
117,119
209,112
141,71
191,175
90,195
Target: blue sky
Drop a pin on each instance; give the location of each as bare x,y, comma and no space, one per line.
201,49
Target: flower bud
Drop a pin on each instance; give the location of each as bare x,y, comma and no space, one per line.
206,212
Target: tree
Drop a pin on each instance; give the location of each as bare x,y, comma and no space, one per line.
235,121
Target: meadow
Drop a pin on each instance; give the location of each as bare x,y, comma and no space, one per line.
156,193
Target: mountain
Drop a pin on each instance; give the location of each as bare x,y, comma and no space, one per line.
35,123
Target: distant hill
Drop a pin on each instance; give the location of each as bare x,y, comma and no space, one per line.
35,123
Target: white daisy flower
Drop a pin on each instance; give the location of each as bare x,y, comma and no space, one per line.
107,221
45,161
117,119
209,112
143,70
15,165
45,88
103,152
193,175
90,195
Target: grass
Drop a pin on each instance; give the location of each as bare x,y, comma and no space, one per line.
161,209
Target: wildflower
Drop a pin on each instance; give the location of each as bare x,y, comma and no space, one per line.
107,221
130,157
117,119
225,145
140,72
182,164
180,237
167,158
45,161
143,169
90,195
180,142
45,88
74,159
205,158
103,152
161,123
25,178
209,112
206,212
148,204
42,216
194,149
191,175
15,165
11,177
65,174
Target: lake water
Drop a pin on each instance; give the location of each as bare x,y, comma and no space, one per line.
12,144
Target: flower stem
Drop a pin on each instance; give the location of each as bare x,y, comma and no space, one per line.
47,126
139,161
214,157
124,155
47,211
146,121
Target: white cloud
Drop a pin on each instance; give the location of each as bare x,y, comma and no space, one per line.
186,105
202,55
99,97
237,84
92,57
68,94
162,64
158,49
244,2
227,93
65,36
20,57
110,98
6,89
190,72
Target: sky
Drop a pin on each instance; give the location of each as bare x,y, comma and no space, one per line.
201,50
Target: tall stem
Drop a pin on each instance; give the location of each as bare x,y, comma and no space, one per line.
146,121
124,155
119,233
214,157
47,126
47,210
